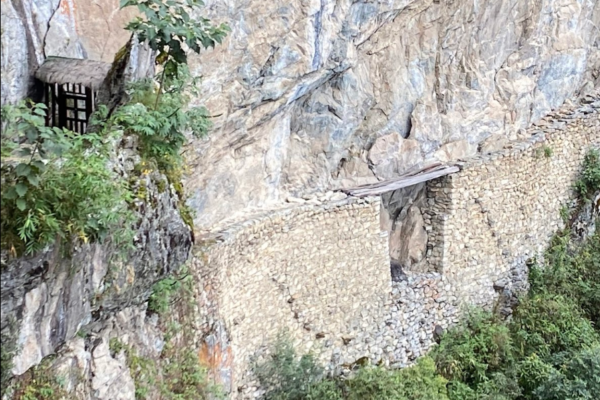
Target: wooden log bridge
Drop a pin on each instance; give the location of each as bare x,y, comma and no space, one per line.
412,177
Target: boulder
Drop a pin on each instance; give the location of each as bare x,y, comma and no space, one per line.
408,239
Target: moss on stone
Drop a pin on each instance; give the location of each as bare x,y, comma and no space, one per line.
187,215
142,190
161,185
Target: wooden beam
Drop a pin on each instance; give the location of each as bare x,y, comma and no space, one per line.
427,174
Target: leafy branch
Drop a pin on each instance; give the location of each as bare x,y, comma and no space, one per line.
170,29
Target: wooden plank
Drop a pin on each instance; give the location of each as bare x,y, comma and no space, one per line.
89,107
412,172
372,190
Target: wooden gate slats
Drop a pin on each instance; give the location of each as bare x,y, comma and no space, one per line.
61,113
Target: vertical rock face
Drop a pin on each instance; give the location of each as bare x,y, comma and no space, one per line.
47,298
407,227
301,88
35,29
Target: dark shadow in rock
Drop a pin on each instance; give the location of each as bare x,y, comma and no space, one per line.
397,272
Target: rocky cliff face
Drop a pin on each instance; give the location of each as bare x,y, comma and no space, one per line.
48,298
72,307
35,29
323,93
316,94
306,95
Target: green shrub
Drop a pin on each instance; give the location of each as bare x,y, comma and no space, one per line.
40,382
546,324
458,390
185,379
8,340
496,386
162,292
532,371
327,389
572,273
500,386
589,183
285,376
57,186
420,382
161,127
578,378
471,351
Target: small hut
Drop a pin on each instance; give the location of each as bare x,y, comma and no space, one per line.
70,89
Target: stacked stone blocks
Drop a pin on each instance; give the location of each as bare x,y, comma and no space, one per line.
321,271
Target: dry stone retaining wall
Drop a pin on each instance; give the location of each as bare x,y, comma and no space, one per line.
321,271
503,208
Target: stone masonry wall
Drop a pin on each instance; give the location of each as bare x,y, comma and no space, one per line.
320,272
503,208
321,269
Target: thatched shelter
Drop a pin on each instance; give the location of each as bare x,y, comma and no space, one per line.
70,89
63,70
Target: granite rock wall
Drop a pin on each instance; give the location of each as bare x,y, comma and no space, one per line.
35,29
314,95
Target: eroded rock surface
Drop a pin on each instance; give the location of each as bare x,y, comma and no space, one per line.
53,297
302,88
35,29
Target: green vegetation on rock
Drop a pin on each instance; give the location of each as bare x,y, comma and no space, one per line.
162,294
589,182
40,383
57,186
285,376
177,373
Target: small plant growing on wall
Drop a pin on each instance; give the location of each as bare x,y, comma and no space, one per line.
545,152
589,182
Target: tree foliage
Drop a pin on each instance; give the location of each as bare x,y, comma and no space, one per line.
159,110
171,27
162,129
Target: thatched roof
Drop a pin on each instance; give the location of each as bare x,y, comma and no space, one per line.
62,70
